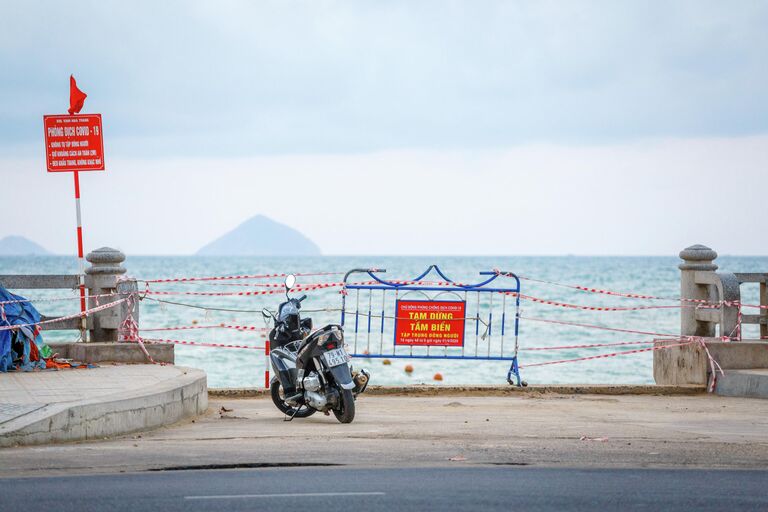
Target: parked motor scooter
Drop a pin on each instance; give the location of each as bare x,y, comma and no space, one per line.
312,369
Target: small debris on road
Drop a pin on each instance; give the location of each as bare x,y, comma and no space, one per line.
598,439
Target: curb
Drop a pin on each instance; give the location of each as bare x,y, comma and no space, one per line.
427,390
121,413
743,383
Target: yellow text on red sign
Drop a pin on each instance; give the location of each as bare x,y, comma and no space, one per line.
430,323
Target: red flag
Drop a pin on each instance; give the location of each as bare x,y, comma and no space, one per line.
76,97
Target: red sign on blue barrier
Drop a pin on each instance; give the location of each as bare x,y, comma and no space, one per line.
430,323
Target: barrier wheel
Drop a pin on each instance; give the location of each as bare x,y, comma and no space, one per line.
276,390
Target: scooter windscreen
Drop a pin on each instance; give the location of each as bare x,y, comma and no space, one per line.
289,315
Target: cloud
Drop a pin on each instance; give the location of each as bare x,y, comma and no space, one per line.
197,79
649,197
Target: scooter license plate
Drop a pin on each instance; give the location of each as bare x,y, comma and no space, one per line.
336,357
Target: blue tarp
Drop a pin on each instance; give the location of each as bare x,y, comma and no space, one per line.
18,313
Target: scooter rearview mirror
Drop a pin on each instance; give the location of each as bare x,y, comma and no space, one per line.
266,314
290,280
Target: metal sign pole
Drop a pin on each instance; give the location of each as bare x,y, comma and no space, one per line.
81,273
75,143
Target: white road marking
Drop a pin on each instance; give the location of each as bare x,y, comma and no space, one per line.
286,495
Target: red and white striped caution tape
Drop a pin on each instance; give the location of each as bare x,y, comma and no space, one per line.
191,343
604,291
231,278
603,356
244,328
81,314
129,330
714,366
315,286
54,299
595,308
589,345
237,294
281,286
600,327
637,295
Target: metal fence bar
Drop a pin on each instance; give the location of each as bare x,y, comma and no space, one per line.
764,311
490,323
517,321
381,339
503,319
357,315
370,305
477,324
465,323
394,345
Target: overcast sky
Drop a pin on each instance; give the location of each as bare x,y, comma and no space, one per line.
411,127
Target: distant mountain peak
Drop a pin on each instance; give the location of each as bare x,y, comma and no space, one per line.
14,245
261,236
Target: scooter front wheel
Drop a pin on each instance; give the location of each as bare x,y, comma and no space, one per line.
278,398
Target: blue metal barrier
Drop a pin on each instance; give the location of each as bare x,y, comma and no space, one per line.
433,294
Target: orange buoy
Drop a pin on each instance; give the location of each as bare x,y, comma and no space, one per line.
386,362
194,322
438,376
408,368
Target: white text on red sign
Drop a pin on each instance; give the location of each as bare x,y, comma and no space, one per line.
74,143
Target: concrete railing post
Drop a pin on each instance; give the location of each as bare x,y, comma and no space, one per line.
696,259
127,288
101,278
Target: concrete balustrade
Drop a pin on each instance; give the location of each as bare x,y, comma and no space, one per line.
104,276
697,259
101,278
718,325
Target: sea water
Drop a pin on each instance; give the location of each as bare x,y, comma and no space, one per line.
657,276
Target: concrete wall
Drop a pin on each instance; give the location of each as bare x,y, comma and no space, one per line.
689,364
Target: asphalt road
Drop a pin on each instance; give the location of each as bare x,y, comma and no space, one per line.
501,488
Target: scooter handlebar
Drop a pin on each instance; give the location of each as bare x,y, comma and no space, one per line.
302,297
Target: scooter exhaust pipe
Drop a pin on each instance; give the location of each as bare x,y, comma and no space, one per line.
360,379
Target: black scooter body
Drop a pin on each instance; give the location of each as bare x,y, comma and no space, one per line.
285,372
323,387
284,359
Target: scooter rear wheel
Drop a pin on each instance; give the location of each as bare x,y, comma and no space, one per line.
276,390
346,411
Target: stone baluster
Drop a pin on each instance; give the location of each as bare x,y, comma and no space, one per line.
102,278
696,259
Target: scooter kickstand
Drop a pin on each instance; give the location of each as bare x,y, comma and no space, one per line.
295,412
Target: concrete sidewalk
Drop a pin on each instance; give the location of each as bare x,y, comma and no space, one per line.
701,431
74,405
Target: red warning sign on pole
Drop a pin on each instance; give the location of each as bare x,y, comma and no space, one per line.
430,323
74,143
